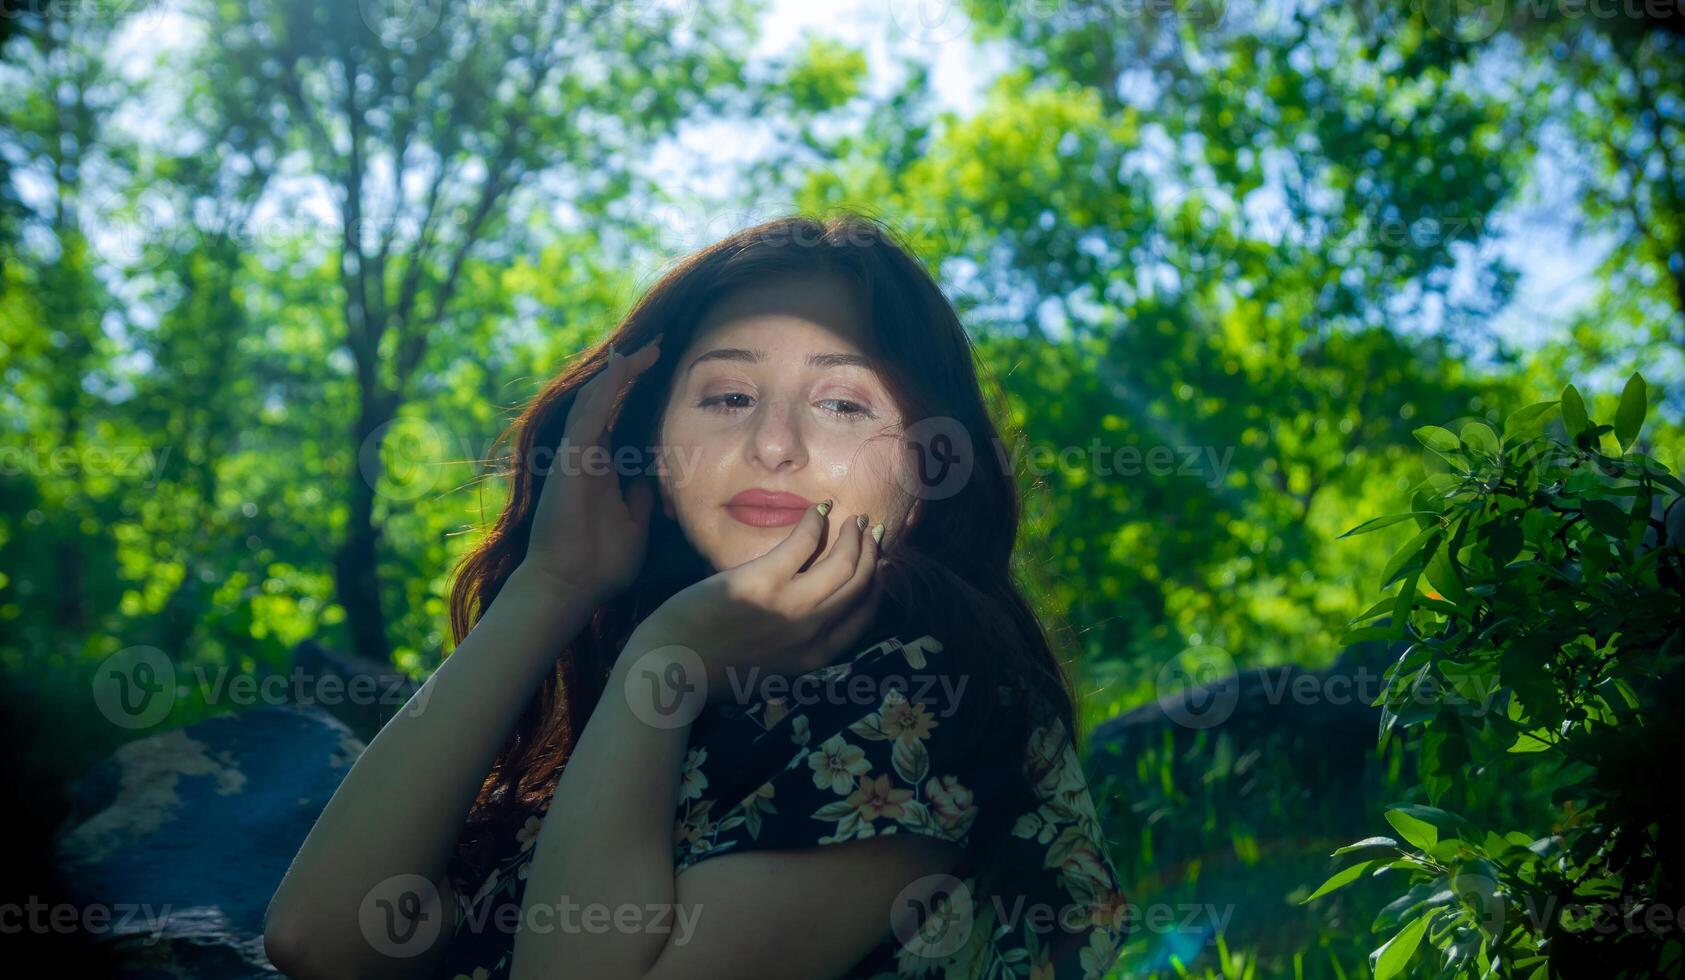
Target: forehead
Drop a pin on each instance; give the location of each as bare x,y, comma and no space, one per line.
791,312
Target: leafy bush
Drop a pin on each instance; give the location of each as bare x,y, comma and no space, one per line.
1550,636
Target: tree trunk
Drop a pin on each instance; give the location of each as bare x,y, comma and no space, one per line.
356,567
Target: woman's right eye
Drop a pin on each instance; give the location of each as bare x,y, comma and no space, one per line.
717,403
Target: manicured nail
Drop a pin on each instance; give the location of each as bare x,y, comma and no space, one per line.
611,350
860,521
824,507
877,534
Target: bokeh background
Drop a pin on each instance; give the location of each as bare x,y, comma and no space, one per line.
273,274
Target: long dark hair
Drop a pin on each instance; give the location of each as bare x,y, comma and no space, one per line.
949,575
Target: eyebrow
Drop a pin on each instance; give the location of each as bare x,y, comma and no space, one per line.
827,360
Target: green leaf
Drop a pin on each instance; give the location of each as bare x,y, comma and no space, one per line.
1525,423
1373,611
1503,542
1341,879
1538,740
1406,595
1392,957
1606,517
1479,436
1364,634
1574,411
1413,829
1426,507
1658,471
1367,843
1629,417
1441,572
1375,524
1442,441
1425,826
1406,554
1591,439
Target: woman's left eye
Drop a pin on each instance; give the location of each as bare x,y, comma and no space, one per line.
850,408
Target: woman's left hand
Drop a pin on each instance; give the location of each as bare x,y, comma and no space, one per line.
775,612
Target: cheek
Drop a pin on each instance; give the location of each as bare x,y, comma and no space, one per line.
869,472
698,463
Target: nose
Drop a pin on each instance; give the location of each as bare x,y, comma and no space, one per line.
775,438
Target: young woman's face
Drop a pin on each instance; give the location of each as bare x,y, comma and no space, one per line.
777,392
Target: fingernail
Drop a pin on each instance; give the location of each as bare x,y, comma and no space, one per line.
824,507
611,350
860,521
877,536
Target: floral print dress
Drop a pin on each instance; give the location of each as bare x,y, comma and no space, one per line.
864,747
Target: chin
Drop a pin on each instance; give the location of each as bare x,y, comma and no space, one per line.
730,544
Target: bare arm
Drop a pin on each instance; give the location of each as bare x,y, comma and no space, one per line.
403,803
366,895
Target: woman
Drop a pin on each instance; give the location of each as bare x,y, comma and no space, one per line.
766,702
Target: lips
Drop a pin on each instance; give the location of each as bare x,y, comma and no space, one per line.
767,508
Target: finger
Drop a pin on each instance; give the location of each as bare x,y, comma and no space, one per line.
862,576
640,500
584,425
633,365
788,556
830,572
598,400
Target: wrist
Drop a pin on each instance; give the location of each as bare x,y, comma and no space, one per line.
667,683
530,580
654,644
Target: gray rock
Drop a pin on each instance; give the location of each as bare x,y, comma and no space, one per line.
185,835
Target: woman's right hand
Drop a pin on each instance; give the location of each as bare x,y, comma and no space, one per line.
585,537
786,613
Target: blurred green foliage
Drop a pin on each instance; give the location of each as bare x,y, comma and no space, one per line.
1223,259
